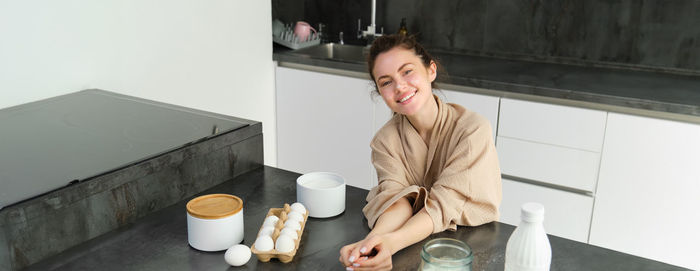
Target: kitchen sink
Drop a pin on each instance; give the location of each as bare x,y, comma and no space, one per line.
335,51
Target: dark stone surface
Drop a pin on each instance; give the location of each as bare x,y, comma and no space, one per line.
159,241
69,138
46,225
633,89
654,34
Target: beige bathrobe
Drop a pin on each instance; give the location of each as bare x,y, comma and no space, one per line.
456,177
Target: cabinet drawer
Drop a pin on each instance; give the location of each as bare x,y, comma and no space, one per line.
552,124
566,214
556,165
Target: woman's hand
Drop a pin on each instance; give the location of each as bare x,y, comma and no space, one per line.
373,253
345,254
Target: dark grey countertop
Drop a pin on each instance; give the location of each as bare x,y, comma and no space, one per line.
159,241
38,138
610,86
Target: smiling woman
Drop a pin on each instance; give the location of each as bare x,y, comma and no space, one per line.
436,162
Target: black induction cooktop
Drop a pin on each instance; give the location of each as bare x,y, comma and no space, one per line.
49,144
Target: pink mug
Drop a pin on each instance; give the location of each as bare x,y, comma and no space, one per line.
303,30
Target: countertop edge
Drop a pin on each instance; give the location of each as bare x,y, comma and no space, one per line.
615,104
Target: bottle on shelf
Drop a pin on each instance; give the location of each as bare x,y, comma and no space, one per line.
402,28
528,246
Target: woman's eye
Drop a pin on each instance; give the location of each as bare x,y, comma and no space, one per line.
407,72
384,84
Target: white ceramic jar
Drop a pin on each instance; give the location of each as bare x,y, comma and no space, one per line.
528,247
323,193
214,222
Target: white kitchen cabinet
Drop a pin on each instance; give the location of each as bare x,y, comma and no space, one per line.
382,113
486,106
553,144
558,125
567,167
567,214
324,123
553,154
648,196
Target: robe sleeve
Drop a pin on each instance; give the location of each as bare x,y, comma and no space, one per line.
392,180
468,190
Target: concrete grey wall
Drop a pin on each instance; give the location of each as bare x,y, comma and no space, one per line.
657,34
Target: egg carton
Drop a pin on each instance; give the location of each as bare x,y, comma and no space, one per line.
266,256
288,39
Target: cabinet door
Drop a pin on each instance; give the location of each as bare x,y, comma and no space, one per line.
566,214
382,114
486,106
324,123
648,195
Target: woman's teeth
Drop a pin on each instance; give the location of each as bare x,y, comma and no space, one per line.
407,97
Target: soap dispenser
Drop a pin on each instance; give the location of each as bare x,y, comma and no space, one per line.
528,247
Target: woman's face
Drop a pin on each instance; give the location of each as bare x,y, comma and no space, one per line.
403,80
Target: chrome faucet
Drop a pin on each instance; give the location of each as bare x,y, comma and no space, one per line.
371,31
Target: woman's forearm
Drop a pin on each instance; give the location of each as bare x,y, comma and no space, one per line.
393,218
414,230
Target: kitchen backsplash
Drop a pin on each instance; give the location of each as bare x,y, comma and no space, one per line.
656,35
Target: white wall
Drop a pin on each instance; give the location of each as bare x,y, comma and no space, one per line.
213,55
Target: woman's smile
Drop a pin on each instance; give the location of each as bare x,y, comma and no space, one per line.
406,98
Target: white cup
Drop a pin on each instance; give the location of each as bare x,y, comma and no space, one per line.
214,222
323,193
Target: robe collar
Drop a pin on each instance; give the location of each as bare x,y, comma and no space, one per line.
417,154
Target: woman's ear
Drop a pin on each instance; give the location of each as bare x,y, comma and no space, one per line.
432,71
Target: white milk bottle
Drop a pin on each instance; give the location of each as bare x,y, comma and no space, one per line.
528,247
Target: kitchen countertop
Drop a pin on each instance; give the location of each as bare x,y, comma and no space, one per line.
159,241
664,95
84,126
80,165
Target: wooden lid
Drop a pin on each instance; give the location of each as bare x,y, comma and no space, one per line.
214,206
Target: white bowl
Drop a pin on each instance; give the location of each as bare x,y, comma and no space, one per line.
322,193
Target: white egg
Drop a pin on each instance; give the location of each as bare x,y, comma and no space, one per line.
271,221
237,255
299,207
264,243
266,230
284,244
299,217
290,232
292,224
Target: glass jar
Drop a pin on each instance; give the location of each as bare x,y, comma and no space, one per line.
446,254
